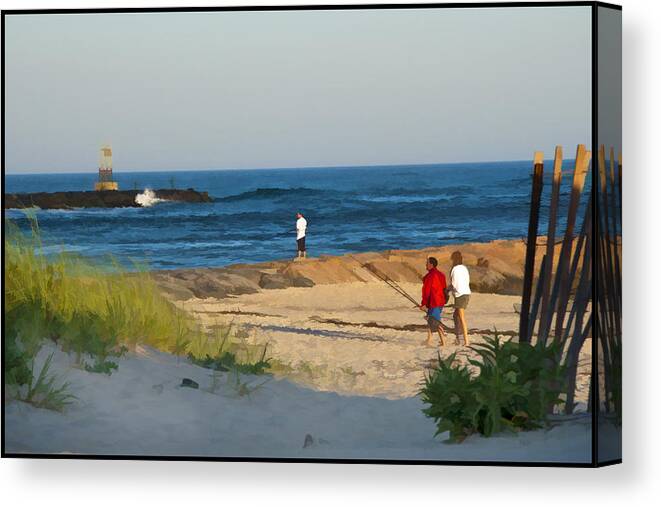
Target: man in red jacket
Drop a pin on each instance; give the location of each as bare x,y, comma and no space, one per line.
433,300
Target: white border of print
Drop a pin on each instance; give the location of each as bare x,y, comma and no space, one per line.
635,482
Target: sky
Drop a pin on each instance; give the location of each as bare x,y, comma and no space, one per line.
239,90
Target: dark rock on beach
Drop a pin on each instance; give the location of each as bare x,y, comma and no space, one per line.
219,283
495,268
273,281
189,383
308,441
301,281
103,199
182,284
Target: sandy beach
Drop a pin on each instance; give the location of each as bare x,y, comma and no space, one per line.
346,351
347,331
358,338
142,410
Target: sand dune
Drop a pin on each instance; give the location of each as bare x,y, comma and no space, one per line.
142,410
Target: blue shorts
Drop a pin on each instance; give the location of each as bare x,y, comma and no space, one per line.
434,317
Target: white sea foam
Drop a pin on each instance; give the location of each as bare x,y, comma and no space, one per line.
147,198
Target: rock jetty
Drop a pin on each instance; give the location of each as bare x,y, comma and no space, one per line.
496,267
102,199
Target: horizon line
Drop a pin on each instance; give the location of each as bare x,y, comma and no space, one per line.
362,166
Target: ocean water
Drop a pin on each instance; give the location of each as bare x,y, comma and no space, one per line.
349,209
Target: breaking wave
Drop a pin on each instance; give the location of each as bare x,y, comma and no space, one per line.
147,198
270,193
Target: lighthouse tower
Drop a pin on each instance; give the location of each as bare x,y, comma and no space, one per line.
105,170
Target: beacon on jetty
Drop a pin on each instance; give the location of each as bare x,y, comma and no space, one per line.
105,170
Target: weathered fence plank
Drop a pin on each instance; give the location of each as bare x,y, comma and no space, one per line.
535,202
546,312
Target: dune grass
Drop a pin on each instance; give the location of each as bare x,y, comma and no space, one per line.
228,350
95,312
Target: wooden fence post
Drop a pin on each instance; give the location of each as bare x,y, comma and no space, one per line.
535,201
562,271
546,313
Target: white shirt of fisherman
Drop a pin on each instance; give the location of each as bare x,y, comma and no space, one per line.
301,225
460,280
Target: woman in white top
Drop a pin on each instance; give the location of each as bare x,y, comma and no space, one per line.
460,286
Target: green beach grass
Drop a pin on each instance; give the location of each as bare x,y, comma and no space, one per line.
96,312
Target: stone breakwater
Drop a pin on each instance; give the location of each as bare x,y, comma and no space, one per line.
495,267
102,199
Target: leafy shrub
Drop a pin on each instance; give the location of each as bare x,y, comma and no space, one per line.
515,388
449,392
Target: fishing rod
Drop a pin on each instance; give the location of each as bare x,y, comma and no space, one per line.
393,282
397,286
385,278
394,285
389,281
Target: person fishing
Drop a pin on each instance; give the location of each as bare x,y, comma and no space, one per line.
433,293
433,300
301,227
460,288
